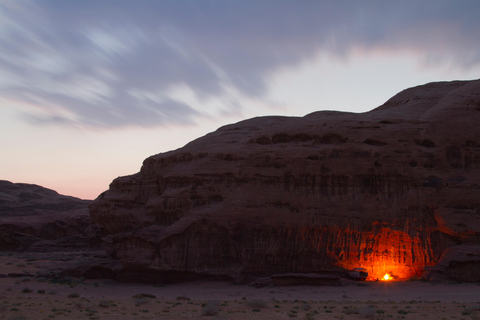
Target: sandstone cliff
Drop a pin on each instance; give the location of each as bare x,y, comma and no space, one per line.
388,190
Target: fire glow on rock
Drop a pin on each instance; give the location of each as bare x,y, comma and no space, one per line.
391,252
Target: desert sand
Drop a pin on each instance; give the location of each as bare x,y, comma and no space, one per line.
26,296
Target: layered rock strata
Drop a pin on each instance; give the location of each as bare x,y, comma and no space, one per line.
388,190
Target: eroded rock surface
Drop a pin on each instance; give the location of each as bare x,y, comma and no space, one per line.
388,190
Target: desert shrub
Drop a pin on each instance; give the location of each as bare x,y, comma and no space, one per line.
73,295
144,295
41,291
352,310
141,301
256,304
306,307
367,312
18,317
292,314
26,290
471,310
104,304
402,312
183,298
210,308
91,313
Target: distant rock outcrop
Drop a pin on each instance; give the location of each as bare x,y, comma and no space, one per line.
392,190
40,219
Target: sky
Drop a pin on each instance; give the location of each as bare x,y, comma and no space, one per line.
89,89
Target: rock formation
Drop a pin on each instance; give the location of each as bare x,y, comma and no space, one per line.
390,190
31,215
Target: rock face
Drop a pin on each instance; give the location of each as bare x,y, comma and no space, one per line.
461,263
389,190
36,218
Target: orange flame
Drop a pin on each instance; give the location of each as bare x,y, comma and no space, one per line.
386,277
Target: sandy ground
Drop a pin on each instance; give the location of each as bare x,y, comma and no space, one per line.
27,297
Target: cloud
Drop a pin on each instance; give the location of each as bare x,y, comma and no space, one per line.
112,63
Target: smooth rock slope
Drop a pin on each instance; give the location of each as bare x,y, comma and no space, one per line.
39,219
390,190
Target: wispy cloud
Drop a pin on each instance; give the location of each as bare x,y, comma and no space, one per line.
119,63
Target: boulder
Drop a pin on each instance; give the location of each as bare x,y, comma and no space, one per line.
388,190
460,263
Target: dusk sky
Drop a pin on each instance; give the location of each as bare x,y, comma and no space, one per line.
89,89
